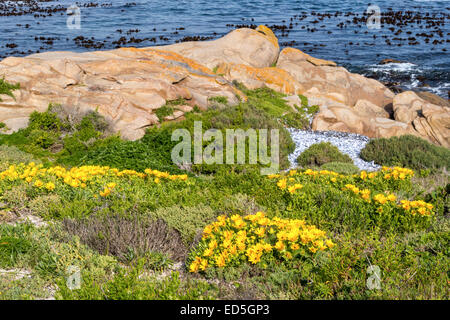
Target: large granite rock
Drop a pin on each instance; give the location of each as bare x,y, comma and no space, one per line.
253,78
412,115
347,119
256,48
430,120
125,85
333,82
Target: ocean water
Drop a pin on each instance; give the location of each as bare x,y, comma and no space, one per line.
414,32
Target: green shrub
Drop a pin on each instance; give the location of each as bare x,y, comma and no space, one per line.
7,88
130,284
340,167
47,121
295,120
46,205
93,121
440,198
406,151
11,248
84,144
187,220
2,125
240,204
312,109
12,155
164,111
321,153
16,196
304,100
42,138
219,99
266,99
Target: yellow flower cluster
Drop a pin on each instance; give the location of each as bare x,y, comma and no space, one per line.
283,184
413,207
237,238
364,175
364,193
78,177
417,207
397,173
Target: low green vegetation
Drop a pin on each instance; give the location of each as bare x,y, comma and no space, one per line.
340,167
8,88
407,151
139,227
163,112
219,99
321,153
58,135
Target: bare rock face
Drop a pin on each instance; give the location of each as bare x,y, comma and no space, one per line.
431,121
331,81
256,48
370,110
253,78
125,85
412,115
347,119
434,99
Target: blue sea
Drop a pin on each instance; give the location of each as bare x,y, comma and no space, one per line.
414,32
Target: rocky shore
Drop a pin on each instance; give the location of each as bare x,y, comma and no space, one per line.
127,85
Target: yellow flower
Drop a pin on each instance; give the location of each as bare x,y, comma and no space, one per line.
111,185
260,232
313,249
220,261
105,192
392,197
282,183
50,186
203,264
279,246
38,183
288,255
380,198
195,264
329,243
208,252
422,211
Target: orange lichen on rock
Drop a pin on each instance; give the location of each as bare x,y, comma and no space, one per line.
269,33
272,77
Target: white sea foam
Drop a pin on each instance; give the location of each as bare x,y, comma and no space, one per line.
406,67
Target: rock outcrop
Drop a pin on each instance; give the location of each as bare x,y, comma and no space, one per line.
412,115
332,82
428,120
125,85
256,48
253,78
